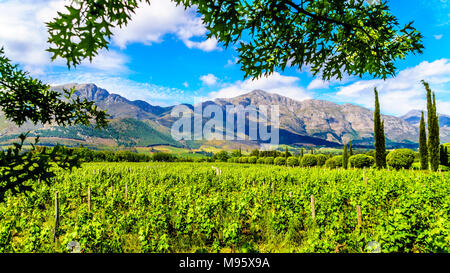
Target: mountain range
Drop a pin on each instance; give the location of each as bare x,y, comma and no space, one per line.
308,122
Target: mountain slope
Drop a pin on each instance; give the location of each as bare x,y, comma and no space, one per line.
138,123
327,120
413,117
116,105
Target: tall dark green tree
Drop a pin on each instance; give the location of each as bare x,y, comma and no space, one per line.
433,129
332,37
423,148
350,149
443,155
380,142
254,152
312,150
447,155
301,152
345,156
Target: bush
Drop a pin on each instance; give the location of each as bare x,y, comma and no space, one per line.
309,160
371,153
221,156
400,158
321,159
261,160
231,160
361,161
416,166
163,157
200,159
334,162
243,159
280,161
252,159
292,161
269,160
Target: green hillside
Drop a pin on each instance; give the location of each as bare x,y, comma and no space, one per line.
127,132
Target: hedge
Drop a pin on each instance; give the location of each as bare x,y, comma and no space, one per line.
279,161
321,159
400,158
292,161
243,159
361,161
334,162
261,160
252,159
309,160
269,160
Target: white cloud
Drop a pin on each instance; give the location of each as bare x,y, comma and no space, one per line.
232,62
274,83
207,45
317,83
24,35
404,92
151,22
186,84
23,32
209,79
438,36
111,61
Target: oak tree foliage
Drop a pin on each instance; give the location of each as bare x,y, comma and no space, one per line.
330,37
26,99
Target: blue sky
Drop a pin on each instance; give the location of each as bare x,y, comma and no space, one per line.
163,57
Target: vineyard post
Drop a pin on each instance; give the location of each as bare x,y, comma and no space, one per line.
358,212
273,188
89,198
313,209
290,195
56,216
126,191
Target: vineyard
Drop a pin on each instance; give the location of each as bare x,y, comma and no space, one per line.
229,207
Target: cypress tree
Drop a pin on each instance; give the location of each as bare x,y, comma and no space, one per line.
301,152
423,149
446,156
433,129
312,150
443,155
380,145
350,150
345,156
383,143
